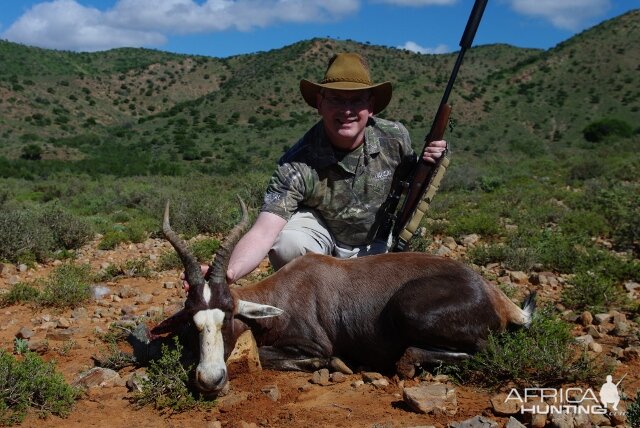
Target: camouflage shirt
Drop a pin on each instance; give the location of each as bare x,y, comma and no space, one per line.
345,188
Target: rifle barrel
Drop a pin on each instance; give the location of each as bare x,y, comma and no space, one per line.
465,43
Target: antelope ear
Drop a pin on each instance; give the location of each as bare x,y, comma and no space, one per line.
171,324
256,310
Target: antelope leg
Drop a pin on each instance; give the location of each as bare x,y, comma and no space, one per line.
406,365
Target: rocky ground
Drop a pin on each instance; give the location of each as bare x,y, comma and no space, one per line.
268,398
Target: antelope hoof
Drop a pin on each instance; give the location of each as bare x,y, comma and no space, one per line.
406,365
337,365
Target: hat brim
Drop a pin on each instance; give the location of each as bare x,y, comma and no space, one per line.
381,92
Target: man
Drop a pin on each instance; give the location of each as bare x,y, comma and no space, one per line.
325,195
326,192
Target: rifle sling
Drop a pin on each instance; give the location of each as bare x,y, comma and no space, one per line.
412,225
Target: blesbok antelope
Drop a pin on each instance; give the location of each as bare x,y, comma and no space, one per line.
385,311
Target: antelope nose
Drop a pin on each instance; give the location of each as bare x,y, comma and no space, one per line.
211,380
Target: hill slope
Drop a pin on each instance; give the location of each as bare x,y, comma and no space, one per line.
219,114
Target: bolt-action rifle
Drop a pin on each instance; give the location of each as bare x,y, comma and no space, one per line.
425,178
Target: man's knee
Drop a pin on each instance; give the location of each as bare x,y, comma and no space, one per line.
291,244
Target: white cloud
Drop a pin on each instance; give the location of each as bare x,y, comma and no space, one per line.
67,24
418,2
565,14
414,47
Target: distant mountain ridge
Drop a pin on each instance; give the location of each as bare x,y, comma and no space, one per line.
204,111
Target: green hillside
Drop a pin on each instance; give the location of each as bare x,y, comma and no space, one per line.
111,135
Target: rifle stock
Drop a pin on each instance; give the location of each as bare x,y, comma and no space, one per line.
424,170
426,177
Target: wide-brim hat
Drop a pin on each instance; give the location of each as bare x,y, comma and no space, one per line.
347,72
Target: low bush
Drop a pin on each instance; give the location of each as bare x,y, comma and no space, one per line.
556,251
69,231
114,358
134,268
20,292
67,286
584,223
112,238
166,384
545,354
35,234
31,383
618,203
203,250
593,292
633,412
482,223
23,234
513,254
600,130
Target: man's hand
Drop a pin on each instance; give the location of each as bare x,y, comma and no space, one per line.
185,284
434,151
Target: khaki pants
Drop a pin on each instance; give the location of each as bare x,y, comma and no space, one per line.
305,232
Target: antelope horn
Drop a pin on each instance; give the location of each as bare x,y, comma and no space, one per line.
192,271
220,262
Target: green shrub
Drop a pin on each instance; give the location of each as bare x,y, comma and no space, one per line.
584,223
136,232
556,251
611,266
593,292
114,358
112,238
633,412
67,286
618,203
129,269
20,346
598,131
485,254
31,383
482,223
587,169
69,232
166,383
20,292
203,250
544,354
168,260
22,232
34,234
31,152
511,255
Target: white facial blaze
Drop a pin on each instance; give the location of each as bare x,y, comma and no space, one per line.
211,373
206,293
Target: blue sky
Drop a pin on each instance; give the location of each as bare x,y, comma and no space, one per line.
222,28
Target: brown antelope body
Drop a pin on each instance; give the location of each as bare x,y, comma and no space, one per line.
383,312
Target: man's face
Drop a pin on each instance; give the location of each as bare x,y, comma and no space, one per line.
345,115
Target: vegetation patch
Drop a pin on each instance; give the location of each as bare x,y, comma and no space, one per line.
29,383
67,286
165,387
203,250
593,292
133,268
545,354
34,234
602,129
